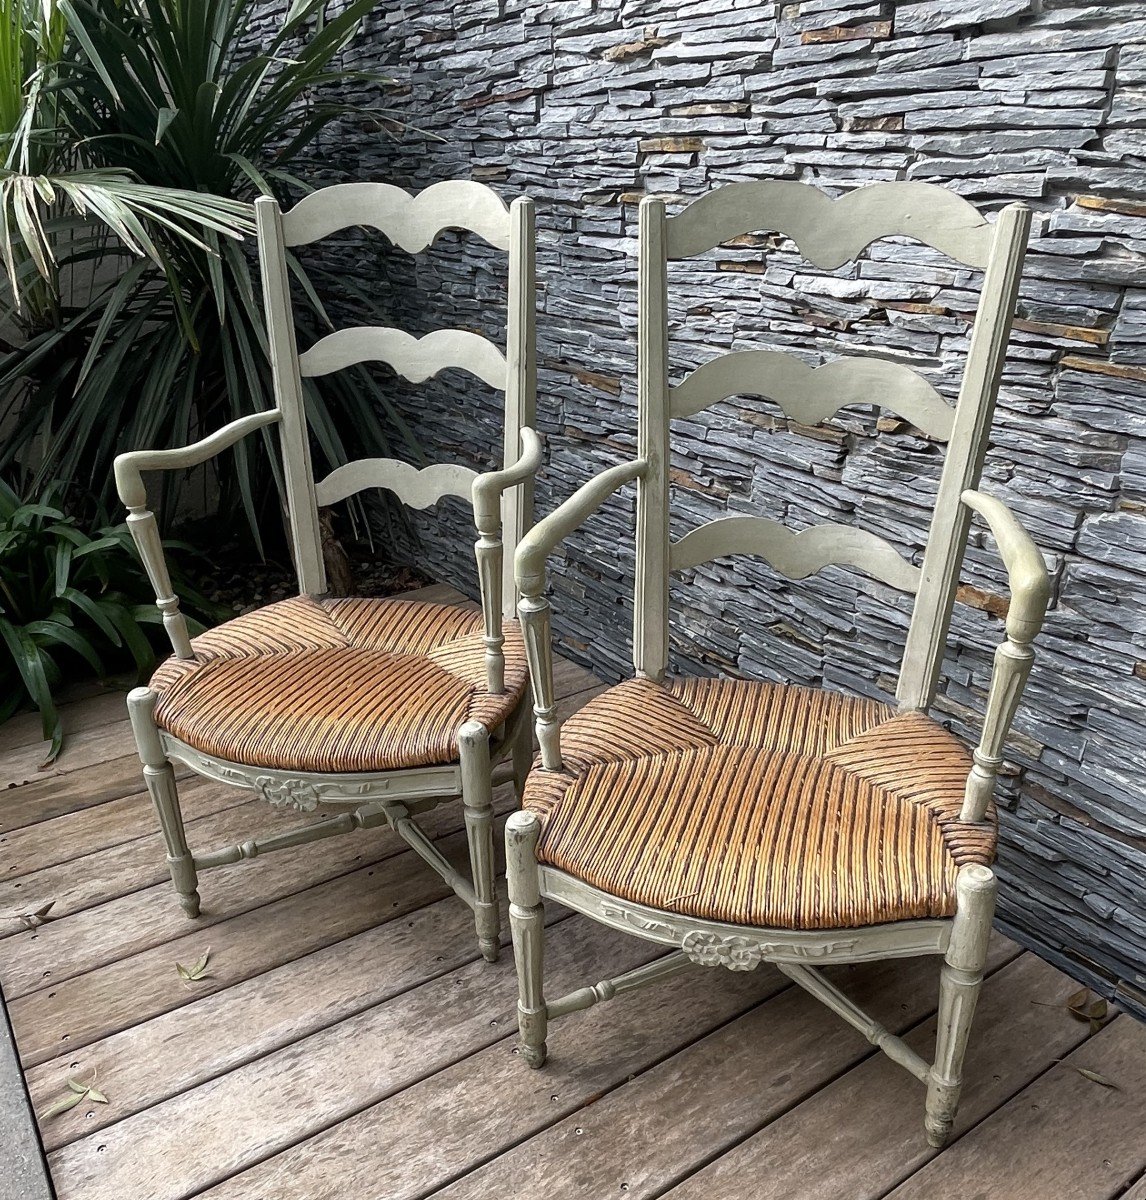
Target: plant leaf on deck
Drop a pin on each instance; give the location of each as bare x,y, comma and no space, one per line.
197,971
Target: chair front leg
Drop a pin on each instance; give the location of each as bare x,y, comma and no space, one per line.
959,984
160,780
477,803
527,923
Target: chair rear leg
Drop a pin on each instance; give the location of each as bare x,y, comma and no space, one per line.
477,802
959,984
527,922
522,752
160,780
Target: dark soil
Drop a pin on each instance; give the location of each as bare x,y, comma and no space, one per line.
230,578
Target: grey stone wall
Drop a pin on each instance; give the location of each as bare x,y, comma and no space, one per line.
589,104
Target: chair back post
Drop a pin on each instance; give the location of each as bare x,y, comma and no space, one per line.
947,540
521,385
651,598
302,507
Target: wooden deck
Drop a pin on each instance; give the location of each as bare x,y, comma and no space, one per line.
348,1041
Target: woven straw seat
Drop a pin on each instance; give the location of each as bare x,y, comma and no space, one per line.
341,685
758,804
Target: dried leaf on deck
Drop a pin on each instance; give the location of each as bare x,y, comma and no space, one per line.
62,1106
1095,1077
77,1093
1083,1005
197,971
34,919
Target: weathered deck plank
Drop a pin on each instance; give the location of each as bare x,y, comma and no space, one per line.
1136,1191
415,1035
138,921
427,1135
63,839
713,1094
351,1041
85,1008
177,1050
215,816
1014,1041
58,795
1055,1138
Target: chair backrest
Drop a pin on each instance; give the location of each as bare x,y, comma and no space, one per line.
411,223
828,233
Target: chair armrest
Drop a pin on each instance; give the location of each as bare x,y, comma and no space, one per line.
487,488
547,534
1026,571
128,467
1030,593
141,521
529,568
486,492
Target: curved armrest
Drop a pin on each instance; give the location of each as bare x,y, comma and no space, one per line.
529,567
1030,592
1029,581
128,467
546,535
487,488
141,522
486,492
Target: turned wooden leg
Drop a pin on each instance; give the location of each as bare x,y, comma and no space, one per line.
477,801
160,780
959,983
527,922
522,756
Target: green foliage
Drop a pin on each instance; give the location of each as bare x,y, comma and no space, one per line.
68,600
55,196
171,96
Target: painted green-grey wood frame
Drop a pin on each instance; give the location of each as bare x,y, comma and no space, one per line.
502,503
828,233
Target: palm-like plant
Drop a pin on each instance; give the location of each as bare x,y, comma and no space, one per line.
170,94
51,196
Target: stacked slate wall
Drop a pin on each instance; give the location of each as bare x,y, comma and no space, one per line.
589,104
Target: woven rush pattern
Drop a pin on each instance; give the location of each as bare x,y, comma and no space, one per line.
335,686
758,804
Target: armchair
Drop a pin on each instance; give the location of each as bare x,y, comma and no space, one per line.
384,708
737,823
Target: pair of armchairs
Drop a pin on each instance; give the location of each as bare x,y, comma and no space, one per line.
731,821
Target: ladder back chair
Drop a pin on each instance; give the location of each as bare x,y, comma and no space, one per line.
381,707
742,822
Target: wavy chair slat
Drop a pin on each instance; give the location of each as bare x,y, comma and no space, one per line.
813,394
417,488
831,232
415,359
410,222
796,555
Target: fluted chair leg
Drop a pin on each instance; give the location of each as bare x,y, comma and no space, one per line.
959,983
160,780
527,923
477,802
522,754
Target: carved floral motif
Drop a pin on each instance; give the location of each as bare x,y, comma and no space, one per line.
288,793
711,950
